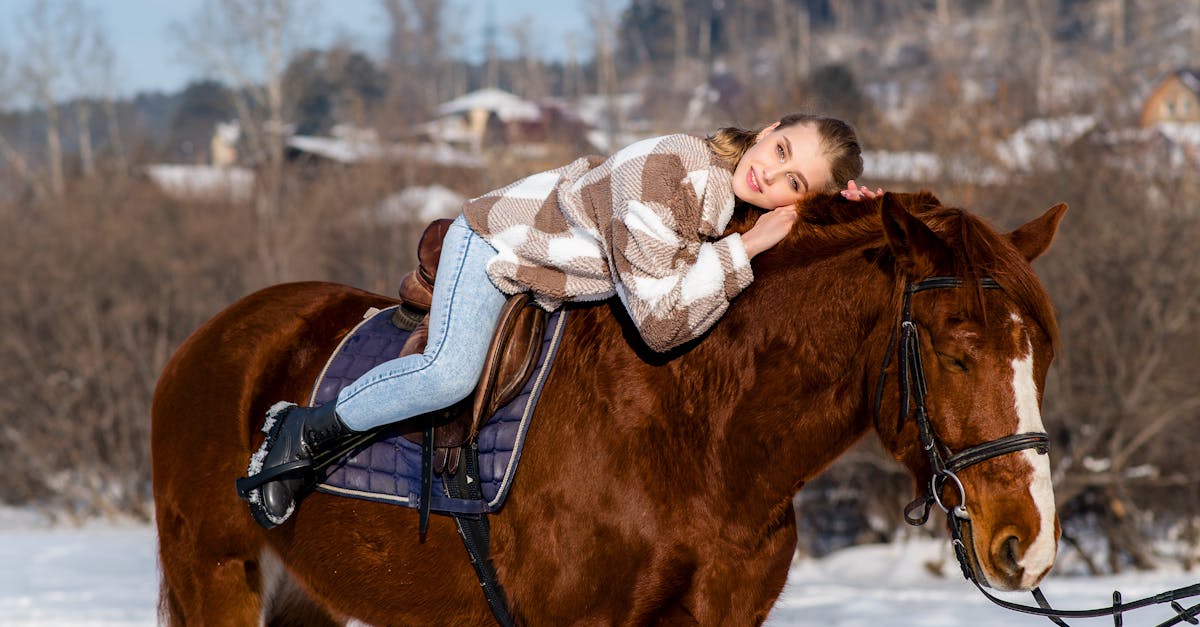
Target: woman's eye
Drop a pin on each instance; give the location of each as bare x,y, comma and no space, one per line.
795,183
779,149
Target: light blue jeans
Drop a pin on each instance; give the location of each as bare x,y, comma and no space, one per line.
466,307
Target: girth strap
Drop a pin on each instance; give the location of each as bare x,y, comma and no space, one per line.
475,531
426,478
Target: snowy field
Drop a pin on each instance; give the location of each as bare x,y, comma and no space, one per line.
105,574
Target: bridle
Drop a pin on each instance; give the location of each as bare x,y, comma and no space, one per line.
913,390
946,465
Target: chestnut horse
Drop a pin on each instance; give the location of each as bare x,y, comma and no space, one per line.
652,488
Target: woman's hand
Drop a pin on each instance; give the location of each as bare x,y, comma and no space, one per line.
771,227
854,192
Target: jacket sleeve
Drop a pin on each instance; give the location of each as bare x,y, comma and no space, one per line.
674,282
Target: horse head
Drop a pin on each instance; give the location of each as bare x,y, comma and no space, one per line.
980,335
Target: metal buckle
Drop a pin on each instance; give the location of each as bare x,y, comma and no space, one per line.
935,487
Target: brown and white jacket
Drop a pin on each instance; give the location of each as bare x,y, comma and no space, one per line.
644,224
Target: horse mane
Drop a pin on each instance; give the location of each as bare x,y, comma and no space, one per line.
830,225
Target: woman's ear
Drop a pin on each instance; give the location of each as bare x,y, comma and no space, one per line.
766,131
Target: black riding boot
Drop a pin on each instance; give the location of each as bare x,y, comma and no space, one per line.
304,433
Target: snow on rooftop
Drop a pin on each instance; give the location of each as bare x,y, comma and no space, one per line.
1190,78
339,149
452,130
1180,132
508,107
1020,149
442,154
202,181
901,166
361,150
595,109
925,167
420,204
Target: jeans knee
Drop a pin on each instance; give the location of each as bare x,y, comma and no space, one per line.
452,381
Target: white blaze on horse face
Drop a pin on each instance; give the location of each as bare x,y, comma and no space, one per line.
1040,555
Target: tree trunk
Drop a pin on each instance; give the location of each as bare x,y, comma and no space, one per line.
87,158
54,148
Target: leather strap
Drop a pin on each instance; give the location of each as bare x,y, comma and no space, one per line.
426,477
475,532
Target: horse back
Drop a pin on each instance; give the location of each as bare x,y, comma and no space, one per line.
266,347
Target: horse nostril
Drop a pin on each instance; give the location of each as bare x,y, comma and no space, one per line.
1008,557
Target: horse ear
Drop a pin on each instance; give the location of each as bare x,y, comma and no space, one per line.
918,250
1034,238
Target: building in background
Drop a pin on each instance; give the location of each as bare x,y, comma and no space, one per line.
1176,99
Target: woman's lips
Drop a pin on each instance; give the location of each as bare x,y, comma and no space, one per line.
752,180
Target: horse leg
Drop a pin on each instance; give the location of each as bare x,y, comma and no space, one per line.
201,586
285,602
742,591
208,545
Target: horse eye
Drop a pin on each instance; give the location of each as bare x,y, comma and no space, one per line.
954,362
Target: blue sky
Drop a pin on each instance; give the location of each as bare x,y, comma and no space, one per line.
149,59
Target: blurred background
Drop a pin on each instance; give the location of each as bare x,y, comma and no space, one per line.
160,160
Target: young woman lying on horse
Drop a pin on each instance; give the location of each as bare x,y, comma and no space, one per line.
646,225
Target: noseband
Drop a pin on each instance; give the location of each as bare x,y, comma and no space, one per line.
946,466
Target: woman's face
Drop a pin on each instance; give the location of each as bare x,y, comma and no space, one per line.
784,166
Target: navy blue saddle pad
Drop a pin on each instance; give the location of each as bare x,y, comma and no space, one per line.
389,469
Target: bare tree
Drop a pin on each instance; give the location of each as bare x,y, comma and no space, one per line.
104,60
418,44
530,81
7,151
248,43
1121,400
602,23
1041,23
679,37
51,35
573,82
91,71
70,57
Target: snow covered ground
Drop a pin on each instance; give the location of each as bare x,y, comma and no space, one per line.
105,574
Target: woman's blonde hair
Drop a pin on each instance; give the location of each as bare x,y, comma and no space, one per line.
839,142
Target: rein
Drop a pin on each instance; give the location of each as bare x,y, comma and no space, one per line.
947,465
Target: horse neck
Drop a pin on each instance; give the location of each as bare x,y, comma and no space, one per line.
801,351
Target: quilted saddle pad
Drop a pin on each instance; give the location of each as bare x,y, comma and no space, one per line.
388,469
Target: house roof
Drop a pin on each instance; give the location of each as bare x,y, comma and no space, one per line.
508,107
350,150
1190,77
202,181
1021,150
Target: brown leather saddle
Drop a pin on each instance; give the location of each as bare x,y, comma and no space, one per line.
511,356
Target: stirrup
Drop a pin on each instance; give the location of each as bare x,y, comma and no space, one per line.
301,466
283,471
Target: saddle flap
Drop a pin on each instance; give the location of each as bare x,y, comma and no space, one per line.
511,357
416,288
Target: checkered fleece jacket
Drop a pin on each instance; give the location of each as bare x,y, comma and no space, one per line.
644,224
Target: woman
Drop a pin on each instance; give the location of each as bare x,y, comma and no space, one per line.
644,225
